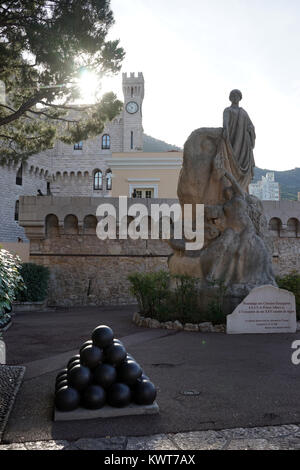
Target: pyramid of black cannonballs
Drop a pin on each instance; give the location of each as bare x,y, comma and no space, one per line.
102,373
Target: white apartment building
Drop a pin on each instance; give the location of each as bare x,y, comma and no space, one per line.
267,189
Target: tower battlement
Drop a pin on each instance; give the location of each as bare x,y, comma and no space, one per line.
132,78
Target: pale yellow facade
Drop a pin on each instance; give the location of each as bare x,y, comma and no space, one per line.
152,175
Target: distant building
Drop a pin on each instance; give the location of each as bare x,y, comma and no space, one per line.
267,189
298,196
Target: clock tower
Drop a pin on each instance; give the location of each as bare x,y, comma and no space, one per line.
133,90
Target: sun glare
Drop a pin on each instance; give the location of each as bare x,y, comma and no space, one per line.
89,87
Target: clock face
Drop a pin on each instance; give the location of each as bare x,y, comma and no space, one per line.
132,107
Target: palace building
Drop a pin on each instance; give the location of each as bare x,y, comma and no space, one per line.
110,164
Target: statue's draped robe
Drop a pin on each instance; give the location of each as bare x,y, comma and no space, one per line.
237,149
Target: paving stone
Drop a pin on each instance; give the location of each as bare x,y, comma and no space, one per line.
256,433
252,444
287,443
46,445
13,447
107,443
202,440
157,442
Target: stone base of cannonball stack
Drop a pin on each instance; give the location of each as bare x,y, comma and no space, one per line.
106,412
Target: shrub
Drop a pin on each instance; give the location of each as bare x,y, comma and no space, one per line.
166,297
11,283
36,279
291,282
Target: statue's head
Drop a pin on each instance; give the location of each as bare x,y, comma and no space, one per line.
235,96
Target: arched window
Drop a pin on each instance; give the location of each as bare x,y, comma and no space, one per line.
78,146
98,180
108,180
52,227
71,225
105,142
275,225
17,210
19,177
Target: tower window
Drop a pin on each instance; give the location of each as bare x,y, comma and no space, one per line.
131,140
19,176
98,180
105,142
78,146
108,180
17,210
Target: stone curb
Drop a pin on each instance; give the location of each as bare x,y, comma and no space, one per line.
284,437
206,327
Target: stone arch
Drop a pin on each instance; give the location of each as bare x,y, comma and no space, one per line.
52,226
275,225
293,226
71,225
90,225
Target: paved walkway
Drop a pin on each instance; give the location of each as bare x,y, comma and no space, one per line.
267,438
204,381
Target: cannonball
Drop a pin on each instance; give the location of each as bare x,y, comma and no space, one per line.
93,397
87,343
61,384
79,377
62,372
102,336
91,356
61,378
129,372
144,393
119,395
67,399
115,354
105,375
117,341
74,360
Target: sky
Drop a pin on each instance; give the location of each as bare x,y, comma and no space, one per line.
193,52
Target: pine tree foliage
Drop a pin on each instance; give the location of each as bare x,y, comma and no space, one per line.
44,47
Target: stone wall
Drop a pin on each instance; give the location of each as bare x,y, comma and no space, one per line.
88,271
10,192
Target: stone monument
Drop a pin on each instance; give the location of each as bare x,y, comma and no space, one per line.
217,168
266,309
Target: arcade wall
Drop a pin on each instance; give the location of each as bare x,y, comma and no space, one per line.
88,271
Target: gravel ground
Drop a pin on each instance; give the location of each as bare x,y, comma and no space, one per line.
10,381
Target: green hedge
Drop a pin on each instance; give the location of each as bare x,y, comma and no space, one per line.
36,278
166,297
291,282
